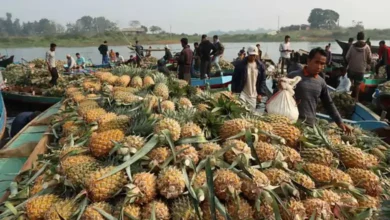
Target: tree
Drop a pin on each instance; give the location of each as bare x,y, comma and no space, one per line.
323,19
155,29
134,24
145,28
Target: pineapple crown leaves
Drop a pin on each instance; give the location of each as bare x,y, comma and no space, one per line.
160,78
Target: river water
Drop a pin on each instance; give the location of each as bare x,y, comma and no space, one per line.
92,53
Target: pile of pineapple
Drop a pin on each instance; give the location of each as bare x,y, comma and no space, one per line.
138,145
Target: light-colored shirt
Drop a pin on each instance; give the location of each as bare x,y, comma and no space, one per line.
285,46
250,85
51,58
345,84
71,63
120,58
80,61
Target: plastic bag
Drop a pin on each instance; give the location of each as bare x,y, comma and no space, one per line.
283,102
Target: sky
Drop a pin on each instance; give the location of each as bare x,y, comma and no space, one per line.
200,16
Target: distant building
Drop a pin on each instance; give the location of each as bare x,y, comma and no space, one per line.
133,31
272,33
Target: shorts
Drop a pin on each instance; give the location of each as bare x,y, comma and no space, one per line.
356,77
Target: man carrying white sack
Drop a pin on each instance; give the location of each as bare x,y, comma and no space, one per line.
249,78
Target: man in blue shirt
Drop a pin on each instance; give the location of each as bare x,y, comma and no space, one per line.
22,120
80,61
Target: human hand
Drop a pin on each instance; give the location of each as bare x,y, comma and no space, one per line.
345,128
259,98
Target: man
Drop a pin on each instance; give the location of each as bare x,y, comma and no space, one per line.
139,53
260,52
312,87
21,120
218,53
149,52
51,64
184,61
206,49
103,49
285,52
294,63
384,58
359,58
168,55
346,49
196,61
80,61
249,79
328,55
71,63
344,81
241,55
119,58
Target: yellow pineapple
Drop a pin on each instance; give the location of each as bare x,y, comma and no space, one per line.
91,213
170,183
265,152
161,210
78,175
366,180
252,188
340,176
320,173
318,155
233,127
101,190
136,82
303,180
240,210
295,210
353,157
225,182
187,152
161,90
135,142
120,122
276,176
183,209
289,132
237,147
168,124
369,202
133,210
330,197
79,97
321,209
199,180
100,144
71,161
261,126
37,207
106,118
61,210
159,155
112,79
185,103
208,149
93,115
148,81
146,184
273,118
203,107
291,156
123,80
167,105
182,83
190,129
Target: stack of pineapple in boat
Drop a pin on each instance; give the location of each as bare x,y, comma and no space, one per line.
136,144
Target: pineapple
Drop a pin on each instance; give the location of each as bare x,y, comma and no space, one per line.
101,143
321,209
151,101
233,127
93,115
124,89
135,142
208,149
133,210
36,207
266,212
123,81
240,211
340,176
106,118
136,82
278,119
320,173
252,188
239,147
159,155
291,156
225,95
366,180
289,132
265,152
171,125
167,105
146,184
77,175
91,213
183,209
148,81
303,180
262,126
70,127
61,210
120,122
318,155
348,200
187,152
330,197
182,83
161,211
190,130
71,161
171,183
185,103
202,107
295,210
276,176
112,79
369,202
79,97
101,190
161,90
225,182
200,179
353,157
38,185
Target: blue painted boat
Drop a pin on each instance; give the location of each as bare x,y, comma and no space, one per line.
3,116
31,99
214,82
362,117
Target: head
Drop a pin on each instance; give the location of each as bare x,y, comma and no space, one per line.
77,55
295,57
184,42
105,42
360,35
258,46
117,54
215,38
53,47
252,53
166,47
68,56
136,42
382,43
34,115
196,45
287,39
316,61
350,40
327,47
150,47
204,37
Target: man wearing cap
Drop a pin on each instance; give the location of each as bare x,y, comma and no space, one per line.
71,63
51,64
249,78
205,51
168,54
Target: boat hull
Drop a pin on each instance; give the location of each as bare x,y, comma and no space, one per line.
30,99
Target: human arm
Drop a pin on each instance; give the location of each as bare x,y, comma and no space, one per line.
369,55
236,78
48,60
221,49
348,56
213,49
329,105
261,86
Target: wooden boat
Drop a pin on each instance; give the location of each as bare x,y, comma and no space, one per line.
152,50
214,82
6,62
3,116
33,135
345,45
29,98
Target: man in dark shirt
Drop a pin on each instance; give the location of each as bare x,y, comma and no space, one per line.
219,52
196,60
345,50
168,54
139,50
22,120
185,61
103,49
260,51
312,87
205,51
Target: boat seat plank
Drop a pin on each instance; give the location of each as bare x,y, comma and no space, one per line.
10,168
36,129
25,138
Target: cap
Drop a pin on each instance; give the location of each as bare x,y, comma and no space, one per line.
166,46
68,55
252,50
